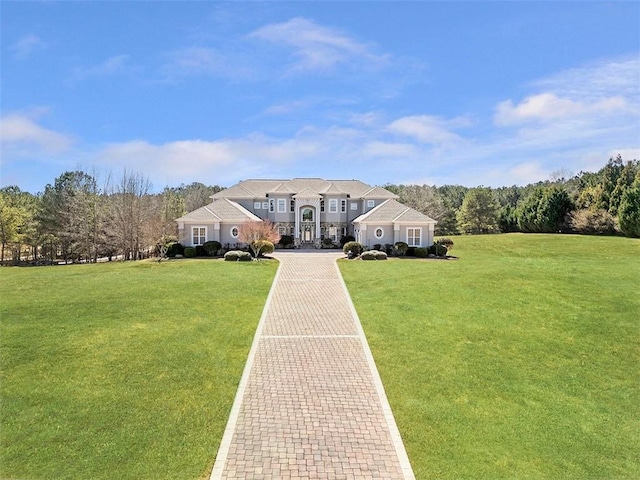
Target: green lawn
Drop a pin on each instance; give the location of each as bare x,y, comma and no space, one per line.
521,359
123,371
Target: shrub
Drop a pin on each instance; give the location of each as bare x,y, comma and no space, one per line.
353,249
212,248
446,242
263,247
200,251
189,252
401,248
438,250
377,246
421,252
380,255
594,222
286,241
411,252
346,239
174,249
369,255
327,242
231,256
245,256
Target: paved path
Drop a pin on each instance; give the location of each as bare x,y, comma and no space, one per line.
310,403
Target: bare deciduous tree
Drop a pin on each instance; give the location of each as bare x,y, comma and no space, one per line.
253,233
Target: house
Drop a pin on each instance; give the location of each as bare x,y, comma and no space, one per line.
309,210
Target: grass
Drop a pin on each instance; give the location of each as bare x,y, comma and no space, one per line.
521,359
123,371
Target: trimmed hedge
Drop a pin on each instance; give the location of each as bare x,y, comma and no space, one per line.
237,256
189,252
212,247
353,248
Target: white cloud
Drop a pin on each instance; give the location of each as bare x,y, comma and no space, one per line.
204,61
426,129
24,47
316,48
389,150
548,106
21,135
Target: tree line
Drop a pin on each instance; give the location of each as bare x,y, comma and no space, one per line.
79,218
603,203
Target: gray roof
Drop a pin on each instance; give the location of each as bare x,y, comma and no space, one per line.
220,210
257,188
391,211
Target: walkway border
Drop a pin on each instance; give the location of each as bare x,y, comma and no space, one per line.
230,428
398,444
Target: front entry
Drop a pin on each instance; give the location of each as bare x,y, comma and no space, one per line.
307,232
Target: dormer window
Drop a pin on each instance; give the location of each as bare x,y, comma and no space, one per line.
371,203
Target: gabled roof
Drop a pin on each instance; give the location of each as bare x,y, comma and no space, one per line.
307,193
378,192
392,211
332,189
283,188
220,210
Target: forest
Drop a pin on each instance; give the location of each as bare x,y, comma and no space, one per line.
79,219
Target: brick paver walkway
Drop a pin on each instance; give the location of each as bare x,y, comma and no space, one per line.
310,403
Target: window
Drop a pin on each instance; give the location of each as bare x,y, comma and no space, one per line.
234,232
265,205
198,235
333,205
292,205
282,205
371,203
322,205
354,206
379,233
343,206
307,215
283,230
413,236
272,205
333,233
257,205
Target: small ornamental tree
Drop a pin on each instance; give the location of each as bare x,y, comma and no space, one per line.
253,233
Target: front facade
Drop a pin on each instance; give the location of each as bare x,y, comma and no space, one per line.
309,210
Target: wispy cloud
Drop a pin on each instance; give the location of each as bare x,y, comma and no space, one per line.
22,135
195,61
26,45
427,129
116,65
317,48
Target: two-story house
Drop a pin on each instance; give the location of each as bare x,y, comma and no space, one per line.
308,209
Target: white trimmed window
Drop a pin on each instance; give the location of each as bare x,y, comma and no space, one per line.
234,232
282,205
257,205
272,205
333,205
198,235
265,205
354,206
283,230
379,232
371,203
343,206
322,206
414,237
292,205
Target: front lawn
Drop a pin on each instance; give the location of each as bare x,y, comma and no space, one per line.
124,370
519,360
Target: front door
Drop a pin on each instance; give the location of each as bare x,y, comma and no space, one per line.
308,232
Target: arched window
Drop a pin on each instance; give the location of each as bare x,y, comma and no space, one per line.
379,233
307,215
234,232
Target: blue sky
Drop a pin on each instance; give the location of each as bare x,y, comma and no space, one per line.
471,93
